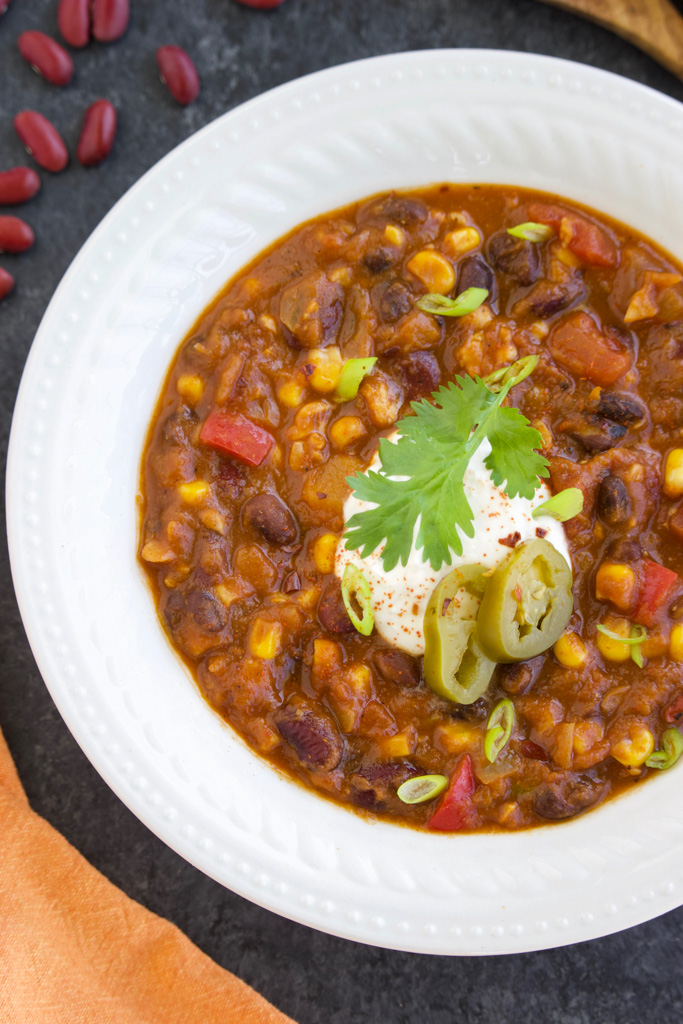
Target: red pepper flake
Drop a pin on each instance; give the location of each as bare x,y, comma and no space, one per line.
320,495
446,602
540,532
517,594
512,539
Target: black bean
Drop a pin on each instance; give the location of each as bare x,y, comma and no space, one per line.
331,611
421,375
311,308
271,517
474,272
597,434
397,667
291,583
310,733
409,213
472,712
514,256
378,260
547,298
206,610
518,677
625,549
396,300
564,796
619,407
613,501
376,785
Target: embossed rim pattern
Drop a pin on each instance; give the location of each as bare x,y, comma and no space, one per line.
87,392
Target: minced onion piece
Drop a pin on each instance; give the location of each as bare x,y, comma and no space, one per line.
531,231
352,374
672,748
421,788
562,506
499,728
354,584
441,305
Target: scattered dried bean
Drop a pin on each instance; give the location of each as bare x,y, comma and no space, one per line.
109,19
6,279
178,73
97,134
73,19
42,140
15,235
18,185
46,56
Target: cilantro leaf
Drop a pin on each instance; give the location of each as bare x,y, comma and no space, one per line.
419,490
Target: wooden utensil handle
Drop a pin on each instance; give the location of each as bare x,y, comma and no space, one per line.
653,25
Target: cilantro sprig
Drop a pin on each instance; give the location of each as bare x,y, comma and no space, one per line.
422,473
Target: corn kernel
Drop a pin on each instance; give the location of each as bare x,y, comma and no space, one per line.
359,678
265,639
324,550
394,235
194,493
328,367
433,270
346,430
673,473
327,657
611,649
308,599
291,393
269,322
635,748
190,387
156,551
461,241
570,650
213,520
616,583
676,642
401,744
340,274
456,737
567,257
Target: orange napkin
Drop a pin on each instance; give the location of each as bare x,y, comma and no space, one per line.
75,950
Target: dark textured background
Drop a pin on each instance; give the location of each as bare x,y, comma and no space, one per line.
635,976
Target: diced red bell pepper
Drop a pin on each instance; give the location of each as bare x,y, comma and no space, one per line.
455,807
581,236
657,583
234,434
578,344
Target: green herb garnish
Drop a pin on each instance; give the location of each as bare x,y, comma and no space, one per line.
499,729
530,231
354,586
352,374
421,788
428,464
562,506
672,748
465,303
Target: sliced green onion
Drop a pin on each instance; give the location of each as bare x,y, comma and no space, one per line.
563,506
510,376
352,374
499,728
637,648
465,303
354,585
421,788
638,634
531,231
672,748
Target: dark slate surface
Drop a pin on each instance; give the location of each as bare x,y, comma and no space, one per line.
631,977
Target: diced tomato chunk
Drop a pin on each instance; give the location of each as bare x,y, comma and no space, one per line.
234,434
578,344
455,809
657,584
581,236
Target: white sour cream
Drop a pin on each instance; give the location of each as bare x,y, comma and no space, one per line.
400,597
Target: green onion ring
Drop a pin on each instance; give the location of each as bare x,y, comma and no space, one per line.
354,584
352,374
421,788
562,506
499,728
531,231
638,634
672,748
461,305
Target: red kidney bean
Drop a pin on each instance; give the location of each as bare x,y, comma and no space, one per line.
109,19
97,134
178,73
73,19
534,751
6,279
46,56
261,5
15,235
18,185
42,140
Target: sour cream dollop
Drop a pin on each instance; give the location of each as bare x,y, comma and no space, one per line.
400,596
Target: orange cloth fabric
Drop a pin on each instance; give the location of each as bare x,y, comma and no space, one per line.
75,950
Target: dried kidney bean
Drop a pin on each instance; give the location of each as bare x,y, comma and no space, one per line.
178,73
15,235
6,282
97,134
42,140
46,56
18,185
73,19
109,19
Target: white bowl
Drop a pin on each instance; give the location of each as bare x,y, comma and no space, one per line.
90,385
